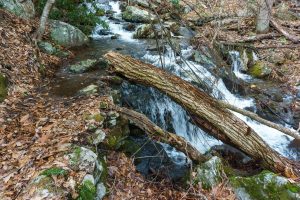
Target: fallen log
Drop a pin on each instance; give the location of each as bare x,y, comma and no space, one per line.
293,38
205,111
158,134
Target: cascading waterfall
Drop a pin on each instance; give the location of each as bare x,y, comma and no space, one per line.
169,115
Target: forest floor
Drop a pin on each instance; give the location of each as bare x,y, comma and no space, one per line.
37,129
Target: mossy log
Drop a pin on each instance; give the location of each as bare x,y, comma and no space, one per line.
156,133
205,111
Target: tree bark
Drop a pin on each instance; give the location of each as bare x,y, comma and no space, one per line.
264,15
43,21
205,111
159,134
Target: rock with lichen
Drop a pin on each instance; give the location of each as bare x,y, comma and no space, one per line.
265,185
210,173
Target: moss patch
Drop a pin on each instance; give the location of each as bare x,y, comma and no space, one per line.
267,185
3,87
87,191
54,171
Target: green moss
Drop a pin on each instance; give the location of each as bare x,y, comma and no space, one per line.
87,191
76,152
100,12
118,134
129,147
98,117
54,171
103,105
266,185
3,87
259,70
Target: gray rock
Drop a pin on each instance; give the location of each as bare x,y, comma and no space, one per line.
89,90
210,173
148,31
67,35
89,177
44,187
83,66
98,136
101,191
46,47
24,9
265,185
83,159
134,14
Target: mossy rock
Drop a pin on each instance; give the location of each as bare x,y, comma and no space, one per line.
210,173
259,70
66,35
83,66
87,190
23,9
47,47
3,87
89,90
134,14
265,185
117,135
44,187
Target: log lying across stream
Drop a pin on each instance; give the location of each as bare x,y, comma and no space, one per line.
206,112
159,134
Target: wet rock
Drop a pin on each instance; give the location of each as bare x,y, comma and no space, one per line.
24,9
89,90
129,27
134,14
259,70
67,35
149,31
101,191
3,87
82,159
47,47
44,187
265,185
116,36
83,66
210,173
152,159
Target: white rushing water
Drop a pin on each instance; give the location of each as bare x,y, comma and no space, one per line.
163,111
115,28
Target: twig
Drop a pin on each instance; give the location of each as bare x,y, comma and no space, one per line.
293,38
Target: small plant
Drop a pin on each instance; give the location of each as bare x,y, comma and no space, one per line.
54,171
76,156
87,191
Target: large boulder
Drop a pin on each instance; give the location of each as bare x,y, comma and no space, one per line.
24,9
265,185
149,31
134,14
67,35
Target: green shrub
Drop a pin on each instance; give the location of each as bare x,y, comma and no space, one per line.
74,13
